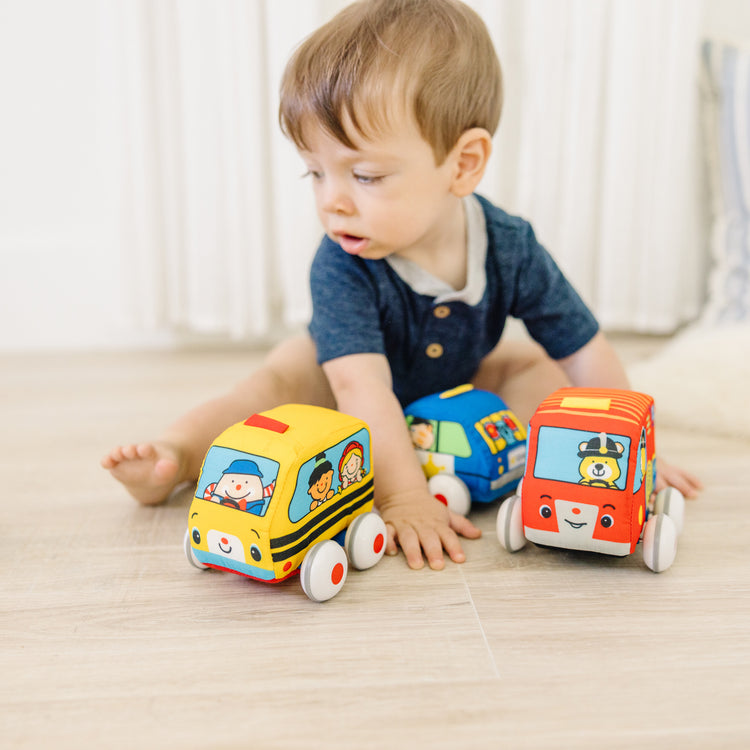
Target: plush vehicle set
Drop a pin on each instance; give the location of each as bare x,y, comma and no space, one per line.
290,490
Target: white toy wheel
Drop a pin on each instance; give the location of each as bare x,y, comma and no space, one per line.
672,502
192,559
323,571
659,542
451,490
365,540
510,524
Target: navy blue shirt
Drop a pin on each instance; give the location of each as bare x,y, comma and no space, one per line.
364,306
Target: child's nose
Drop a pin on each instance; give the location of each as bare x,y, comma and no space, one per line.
335,199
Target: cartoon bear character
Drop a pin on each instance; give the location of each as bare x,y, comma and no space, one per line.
599,465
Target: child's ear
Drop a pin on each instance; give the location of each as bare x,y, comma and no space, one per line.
470,156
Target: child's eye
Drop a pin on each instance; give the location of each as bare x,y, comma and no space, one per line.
314,173
367,179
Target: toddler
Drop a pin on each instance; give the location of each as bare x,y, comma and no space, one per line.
392,106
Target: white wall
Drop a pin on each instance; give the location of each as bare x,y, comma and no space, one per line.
59,285
727,20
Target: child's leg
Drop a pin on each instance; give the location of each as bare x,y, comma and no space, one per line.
522,374
150,471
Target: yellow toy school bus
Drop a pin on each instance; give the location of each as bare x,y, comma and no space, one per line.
275,490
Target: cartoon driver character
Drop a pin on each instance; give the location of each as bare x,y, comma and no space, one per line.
241,487
352,464
599,465
422,433
320,481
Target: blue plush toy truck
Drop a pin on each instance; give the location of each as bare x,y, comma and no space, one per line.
471,446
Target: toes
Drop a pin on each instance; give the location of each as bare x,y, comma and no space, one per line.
165,469
129,452
108,462
145,450
113,458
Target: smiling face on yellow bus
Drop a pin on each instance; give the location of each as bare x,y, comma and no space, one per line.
272,486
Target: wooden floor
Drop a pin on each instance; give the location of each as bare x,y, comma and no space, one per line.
110,640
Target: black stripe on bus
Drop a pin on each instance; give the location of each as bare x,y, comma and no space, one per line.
329,522
334,507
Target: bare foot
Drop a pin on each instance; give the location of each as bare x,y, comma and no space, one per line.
149,471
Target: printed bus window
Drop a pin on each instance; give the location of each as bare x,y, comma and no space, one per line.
330,473
439,437
238,480
582,457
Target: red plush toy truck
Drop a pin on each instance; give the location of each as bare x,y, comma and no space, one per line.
589,479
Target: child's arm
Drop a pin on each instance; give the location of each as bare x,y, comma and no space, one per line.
416,521
596,364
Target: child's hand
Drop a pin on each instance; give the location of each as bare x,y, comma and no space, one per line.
673,476
419,523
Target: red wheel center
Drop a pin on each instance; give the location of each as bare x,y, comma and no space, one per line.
442,498
378,544
337,574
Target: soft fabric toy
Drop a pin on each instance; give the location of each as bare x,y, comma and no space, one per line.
471,446
268,504
589,480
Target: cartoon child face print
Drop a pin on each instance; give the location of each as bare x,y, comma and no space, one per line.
320,481
240,486
351,466
422,433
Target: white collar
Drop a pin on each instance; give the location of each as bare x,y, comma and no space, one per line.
423,282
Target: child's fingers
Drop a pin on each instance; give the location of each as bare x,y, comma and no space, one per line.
430,542
408,539
463,526
391,545
688,484
677,477
452,545
432,545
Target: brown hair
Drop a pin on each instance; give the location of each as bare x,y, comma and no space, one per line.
436,55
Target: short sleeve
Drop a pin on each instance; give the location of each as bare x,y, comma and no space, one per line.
551,309
345,318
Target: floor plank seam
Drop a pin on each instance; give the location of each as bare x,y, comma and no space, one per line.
495,669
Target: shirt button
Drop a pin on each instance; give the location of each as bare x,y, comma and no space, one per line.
433,351
441,311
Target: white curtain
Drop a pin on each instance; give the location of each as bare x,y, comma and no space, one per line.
598,147
214,226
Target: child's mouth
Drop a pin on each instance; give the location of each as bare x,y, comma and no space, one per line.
352,244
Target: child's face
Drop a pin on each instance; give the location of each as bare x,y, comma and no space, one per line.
385,196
